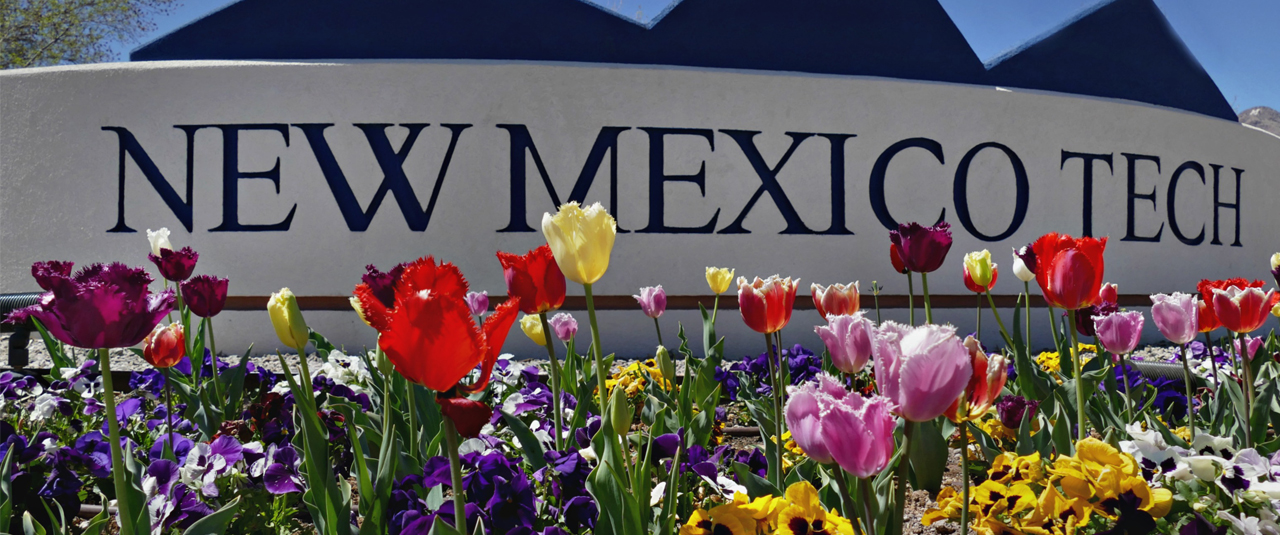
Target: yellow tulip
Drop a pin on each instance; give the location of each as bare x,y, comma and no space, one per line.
287,319
581,240
719,279
1275,310
531,324
979,265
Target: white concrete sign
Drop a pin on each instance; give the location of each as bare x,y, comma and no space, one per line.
300,174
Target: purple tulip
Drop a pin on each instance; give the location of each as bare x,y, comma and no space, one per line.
832,424
478,302
382,284
1011,409
922,370
1177,316
1119,333
849,340
564,325
653,300
205,295
175,265
99,307
922,248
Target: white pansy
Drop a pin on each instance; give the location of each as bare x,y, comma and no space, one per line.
346,370
44,407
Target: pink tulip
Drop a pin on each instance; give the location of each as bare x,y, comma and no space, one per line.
1119,332
1242,310
1177,316
1249,348
653,300
564,325
832,424
478,302
920,369
1109,293
849,340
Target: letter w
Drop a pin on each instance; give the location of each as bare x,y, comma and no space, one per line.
391,161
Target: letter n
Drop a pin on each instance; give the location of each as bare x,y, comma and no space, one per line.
130,147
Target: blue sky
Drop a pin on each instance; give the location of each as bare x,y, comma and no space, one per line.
1233,39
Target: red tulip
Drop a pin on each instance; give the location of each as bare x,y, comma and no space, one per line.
1069,270
1109,293
205,295
99,307
895,257
766,304
535,278
165,346
835,300
989,376
468,415
1208,316
1242,310
974,287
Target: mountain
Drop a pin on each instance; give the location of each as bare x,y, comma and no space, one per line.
1262,117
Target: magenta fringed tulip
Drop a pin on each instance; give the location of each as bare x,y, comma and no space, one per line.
653,300
1119,332
205,295
477,302
564,325
101,306
920,369
922,248
831,424
174,265
1177,316
849,340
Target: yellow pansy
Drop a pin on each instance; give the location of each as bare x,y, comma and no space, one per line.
764,509
804,514
727,519
948,507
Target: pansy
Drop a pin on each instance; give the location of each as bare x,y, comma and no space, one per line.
209,460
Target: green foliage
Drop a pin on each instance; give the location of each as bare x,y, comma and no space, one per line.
37,33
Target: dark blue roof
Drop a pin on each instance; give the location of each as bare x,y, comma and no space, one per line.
908,39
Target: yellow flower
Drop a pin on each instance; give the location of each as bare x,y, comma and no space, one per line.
727,519
948,507
1029,469
980,268
581,240
719,279
804,514
1049,361
764,509
532,326
287,319
991,498
1098,456
1054,508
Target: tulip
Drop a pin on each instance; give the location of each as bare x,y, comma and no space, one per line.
849,340
564,326
653,301
832,424
719,279
175,266
804,418
835,300
100,307
205,295
989,376
980,273
1069,270
532,327
1275,267
164,346
766,304
920,369
922,249
159,240
581,240
1247,347
1024,263
286,318
1109,293
1119,333
1011,410
1208,317
535,278
478,302
895,258
1242,310
1177,316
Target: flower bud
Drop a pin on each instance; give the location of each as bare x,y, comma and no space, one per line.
719,279
165,346
287,319
620,411
665,366
159,240
532,326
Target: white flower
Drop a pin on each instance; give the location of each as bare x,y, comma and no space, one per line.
475,445
346,370
159,240
1264,524
44,407
588,454
656,494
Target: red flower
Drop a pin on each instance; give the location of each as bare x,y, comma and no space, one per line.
1069,270
766,305
1208,316
1242,310
205,295
535,278
895,257
974,287
165,346
468,415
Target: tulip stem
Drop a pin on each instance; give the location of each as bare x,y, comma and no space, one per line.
911,298
171,447
869,516
1186,377
455,470
1026,292
846,494
875,294
555,380
715,309
1008,340
659,329
1246,376
900,482
1053,326
1128,390
1079,368
928,307
595,344
412,402
213,356
1213,361
964,473
119,474
775,376
978,308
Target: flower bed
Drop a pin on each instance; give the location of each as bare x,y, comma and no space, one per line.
435,432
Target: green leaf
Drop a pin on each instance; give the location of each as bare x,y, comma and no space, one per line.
6,491
321,343
216,523
756,486
234,379
928,456
30,526
440,527
618,513
529,444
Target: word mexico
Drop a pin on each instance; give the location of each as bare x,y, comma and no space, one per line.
1153,181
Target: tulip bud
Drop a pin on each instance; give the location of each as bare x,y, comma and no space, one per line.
159,240
478,302
653,300
1109,293
385,366
532,327
1275,310
719,279
564,326
165,346
835,300
665,366
287,319
620,411
1024,264
980,268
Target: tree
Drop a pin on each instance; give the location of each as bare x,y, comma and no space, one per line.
35,33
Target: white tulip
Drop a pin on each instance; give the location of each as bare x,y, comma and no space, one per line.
159,240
